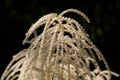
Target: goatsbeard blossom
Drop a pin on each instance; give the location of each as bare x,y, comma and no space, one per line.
62,51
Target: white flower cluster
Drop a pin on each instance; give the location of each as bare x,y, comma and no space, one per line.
62,51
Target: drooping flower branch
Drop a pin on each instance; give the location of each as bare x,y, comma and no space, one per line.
63,51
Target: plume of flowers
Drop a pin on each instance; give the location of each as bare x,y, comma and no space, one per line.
63,51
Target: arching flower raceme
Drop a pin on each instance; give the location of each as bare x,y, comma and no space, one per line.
62,51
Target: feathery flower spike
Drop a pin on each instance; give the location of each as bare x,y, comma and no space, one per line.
63,51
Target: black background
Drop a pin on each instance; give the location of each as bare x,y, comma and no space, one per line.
16,16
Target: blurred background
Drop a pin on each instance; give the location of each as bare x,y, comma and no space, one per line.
16,17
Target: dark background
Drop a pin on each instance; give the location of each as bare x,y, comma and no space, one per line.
16,16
